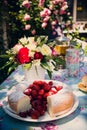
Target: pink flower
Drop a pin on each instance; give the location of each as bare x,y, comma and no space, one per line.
46,18
54,53
16,48
27,26
33,31
53,23
41,3
26,4
62,12
45,12
53,27
26,17
44,24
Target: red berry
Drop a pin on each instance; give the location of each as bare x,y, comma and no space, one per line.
23,114
41,92
46,94
39,97
35,114
36,103
36,87
34,93
47,87
51,92
50,83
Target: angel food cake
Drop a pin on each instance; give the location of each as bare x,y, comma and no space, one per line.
41,97
60,103
19,102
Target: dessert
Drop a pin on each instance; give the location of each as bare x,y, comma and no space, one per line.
18,101
83,84
41,97
60,102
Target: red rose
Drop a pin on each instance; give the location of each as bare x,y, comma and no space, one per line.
38,55
22,56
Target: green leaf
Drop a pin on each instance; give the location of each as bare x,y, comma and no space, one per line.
4,56
49,74
46,66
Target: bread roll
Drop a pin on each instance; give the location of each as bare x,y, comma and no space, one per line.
19,102
60,103
84,80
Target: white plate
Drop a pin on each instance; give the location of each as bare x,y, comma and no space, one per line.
44,118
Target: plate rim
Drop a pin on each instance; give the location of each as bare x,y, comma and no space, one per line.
15,116
28,119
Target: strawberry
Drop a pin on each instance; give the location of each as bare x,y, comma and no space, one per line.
35,114
35,103
39,97
50,83
51,92
38,82
58,88
47,87
54,90
36,87
46,94
34,93
41,92
42,111
27,92
23,114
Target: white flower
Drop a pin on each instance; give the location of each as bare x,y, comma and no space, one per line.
31,40
32,49
45,50
23,40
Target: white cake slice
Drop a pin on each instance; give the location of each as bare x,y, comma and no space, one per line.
18,101
60,103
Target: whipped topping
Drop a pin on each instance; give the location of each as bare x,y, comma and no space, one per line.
15,96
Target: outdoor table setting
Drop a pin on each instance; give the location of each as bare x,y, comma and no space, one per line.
76,119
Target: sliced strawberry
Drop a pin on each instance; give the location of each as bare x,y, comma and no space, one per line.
58,88
51,92
54,90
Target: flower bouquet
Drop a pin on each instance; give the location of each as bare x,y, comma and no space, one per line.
32,51
40,19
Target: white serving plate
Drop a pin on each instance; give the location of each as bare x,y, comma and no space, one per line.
46,117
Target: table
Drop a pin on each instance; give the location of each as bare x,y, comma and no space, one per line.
75,121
